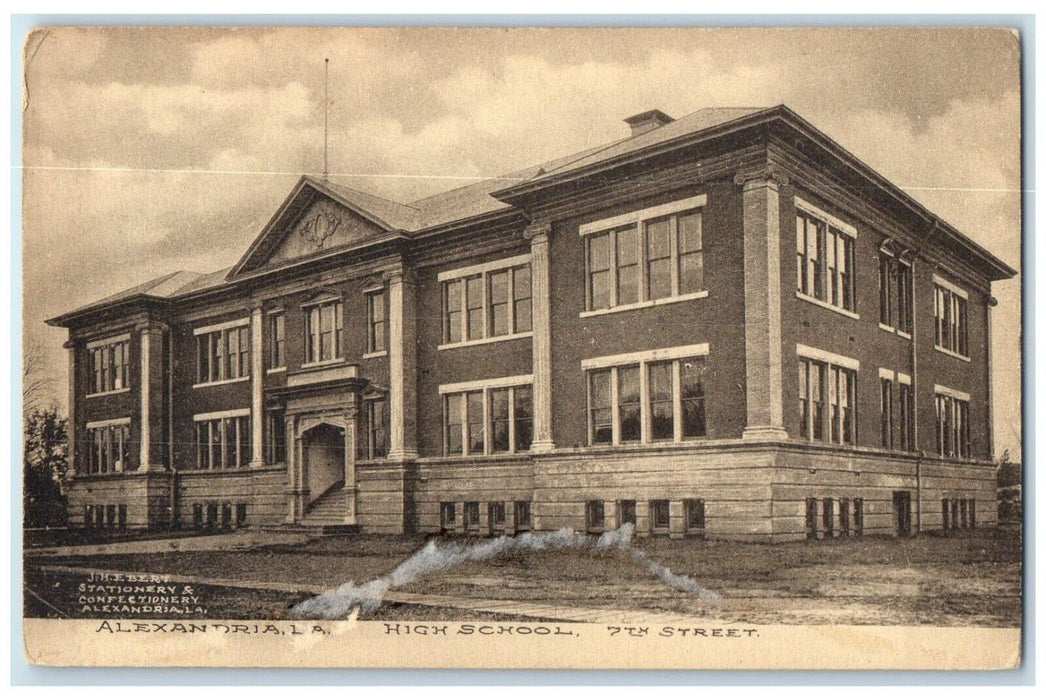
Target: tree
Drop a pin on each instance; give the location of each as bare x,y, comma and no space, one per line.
37,385
45,455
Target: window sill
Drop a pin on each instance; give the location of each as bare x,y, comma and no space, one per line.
323,363
484,341
112,392
826,305
220,382
951,353
896,331
377,353
645,304
276,370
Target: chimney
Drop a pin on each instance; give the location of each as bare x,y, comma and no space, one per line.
647,121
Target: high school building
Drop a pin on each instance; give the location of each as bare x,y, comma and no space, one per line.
724,325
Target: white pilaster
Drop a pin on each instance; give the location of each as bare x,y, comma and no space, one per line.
71,424
542,337
257,388
762,273
402,360
145,390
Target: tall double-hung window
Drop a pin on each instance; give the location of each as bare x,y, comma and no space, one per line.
895,293
108,364
645,397
324,322
486,417
824,258
223,440
827,396
108,445
645,257
951,327
489,301
953,422
223,352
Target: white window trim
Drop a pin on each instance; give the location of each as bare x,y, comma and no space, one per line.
216,415
632,217
942,390
372,355
276,370
219,382
660,354
940,281
113,340
109,392
477,385
899,377
493,265
324,363
825,356
645,304
373,290
484,341
203,330
833,221
91,425
826,305
320,301
951,353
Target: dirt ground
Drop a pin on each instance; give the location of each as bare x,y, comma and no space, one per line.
974,579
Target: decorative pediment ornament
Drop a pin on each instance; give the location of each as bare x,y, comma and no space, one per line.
318,227
768,173
537,229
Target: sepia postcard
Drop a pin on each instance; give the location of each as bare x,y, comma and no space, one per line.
612,348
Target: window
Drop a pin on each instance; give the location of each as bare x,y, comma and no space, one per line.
496,512
626,512
660,514
950,320
675,400
946,510
886,411
906,417
110,515
277,341
121,516
600,412
223,354
453,302
828,517
109,365
953,425
488,420
895,293
973,514
694,509
657,254
594,516
523,515
109,447
377,436
844,517
628,402
824,260
821,384
276,447
491,303
376,321
197,515
447,515
223,443
323,329
811,518
241,514
472,515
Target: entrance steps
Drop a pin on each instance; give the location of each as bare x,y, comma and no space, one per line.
325,516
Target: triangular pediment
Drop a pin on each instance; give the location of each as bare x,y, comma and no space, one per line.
314,219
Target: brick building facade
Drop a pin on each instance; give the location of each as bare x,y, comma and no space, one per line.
723,325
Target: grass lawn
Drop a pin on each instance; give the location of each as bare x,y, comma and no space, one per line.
974,579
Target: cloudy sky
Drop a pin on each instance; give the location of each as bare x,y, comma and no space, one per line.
153,150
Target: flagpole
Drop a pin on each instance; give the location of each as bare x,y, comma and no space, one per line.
326,105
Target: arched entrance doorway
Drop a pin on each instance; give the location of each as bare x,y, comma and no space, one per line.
323,449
